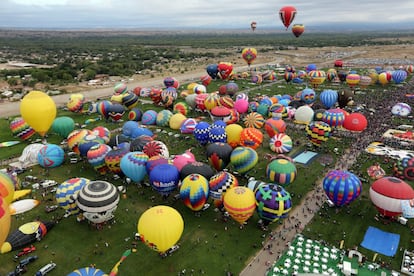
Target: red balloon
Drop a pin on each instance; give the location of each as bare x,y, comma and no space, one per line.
355,122
287,15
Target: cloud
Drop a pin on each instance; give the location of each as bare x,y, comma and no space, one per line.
194,13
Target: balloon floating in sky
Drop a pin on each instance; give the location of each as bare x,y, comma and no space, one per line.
287,15
160,227
39,110
249,55
298,29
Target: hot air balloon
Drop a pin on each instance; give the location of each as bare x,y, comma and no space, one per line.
375,171
273,202
87,271
251,137
219,184
253,120
243,159
155,161
225,70
253,25
298,29
98,201
401,109
63,125
281,171
249,55
399,76
156,147
188,126
194,191
26,234
75,137
233,132
212,70
76,102
164,178
316,77
404,168
218,155
287,15
274,126
87,142
133,165
180,160
160,227
304,114
6,187
197,167
334,117
21,129
113,159
318,132
4,219
115,112
388,193
341,187
355,122
201,132
50,156
39,110
96,157
328,98
308,95
280,143
67,192
353,80
240,203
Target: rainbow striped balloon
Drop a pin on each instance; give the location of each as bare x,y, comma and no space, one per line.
341,187
194,191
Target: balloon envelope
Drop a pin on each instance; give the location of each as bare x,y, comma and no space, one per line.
39,110
160,227
341,187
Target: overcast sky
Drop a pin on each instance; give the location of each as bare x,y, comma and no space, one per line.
197,13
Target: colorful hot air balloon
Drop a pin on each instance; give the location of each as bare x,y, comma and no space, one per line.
6,187
281,171
280,143
67,192
328,98
240,203
96,157
76,102
98,201
251,137
26,234
298,29
21,129
341,187
194,191
404,168
355,122
160,227
316,77
334,117
318,132
253,25
218,155
225,69
243,159
220,183
87,271
39,110
4,219
133,165
249,55
273,202
113,159
287,15
388,195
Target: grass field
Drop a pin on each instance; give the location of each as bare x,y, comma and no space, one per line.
209,243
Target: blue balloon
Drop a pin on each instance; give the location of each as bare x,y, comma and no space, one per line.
139,131
328,98
164,178
310,67
50,156
129,127
342,187
201,132
133,165
87,271
399,76
217,134
212,70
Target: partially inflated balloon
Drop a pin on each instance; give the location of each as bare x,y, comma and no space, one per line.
4,220
63,126
21,129
39,110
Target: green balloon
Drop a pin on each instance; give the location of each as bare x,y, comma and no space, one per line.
63,126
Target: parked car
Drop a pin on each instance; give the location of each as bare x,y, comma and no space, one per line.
25,251
45,269
28,260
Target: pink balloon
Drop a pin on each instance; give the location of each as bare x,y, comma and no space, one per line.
241,106
181,160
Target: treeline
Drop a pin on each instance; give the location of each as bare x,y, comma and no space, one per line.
80,56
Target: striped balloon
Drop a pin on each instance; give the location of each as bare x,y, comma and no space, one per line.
328,97
341,187
281,171
133,165
96,157
280,143
334,117
21,129
240,203
66,193
251,137
243,159
220,183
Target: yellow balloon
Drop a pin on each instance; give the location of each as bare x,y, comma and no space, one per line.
176,120
160,227
233,132
39,110
4,220
240,202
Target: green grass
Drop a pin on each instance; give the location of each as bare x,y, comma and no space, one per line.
73,245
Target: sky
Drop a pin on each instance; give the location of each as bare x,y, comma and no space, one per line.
199,14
